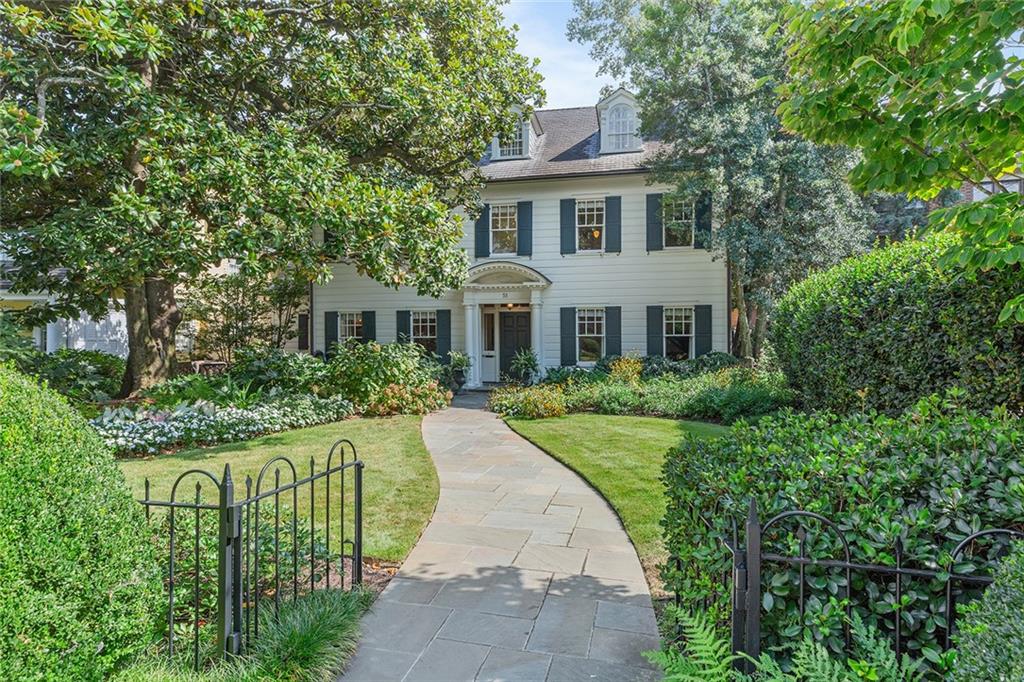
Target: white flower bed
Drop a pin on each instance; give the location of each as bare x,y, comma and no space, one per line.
152,431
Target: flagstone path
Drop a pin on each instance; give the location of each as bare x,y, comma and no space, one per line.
524,573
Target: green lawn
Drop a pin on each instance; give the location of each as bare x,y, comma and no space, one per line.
621,457
399,481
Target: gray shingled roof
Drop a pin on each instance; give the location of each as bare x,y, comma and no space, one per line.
570,145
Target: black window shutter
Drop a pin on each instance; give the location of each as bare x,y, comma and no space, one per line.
655,337
655,234
330,332
483,233
701,330
524,228
567,211
444,334
404,334
303,325
568,334
369,326
613,224
613,330
330,243
702,235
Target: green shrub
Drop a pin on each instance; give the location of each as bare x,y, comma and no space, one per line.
220,390
362,371
883,329
531,402
928,477
272,369
656,365
79,586
990,644
81,375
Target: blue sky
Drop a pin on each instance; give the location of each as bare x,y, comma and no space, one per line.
569,72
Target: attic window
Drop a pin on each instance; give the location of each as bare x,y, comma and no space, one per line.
621,128
512,146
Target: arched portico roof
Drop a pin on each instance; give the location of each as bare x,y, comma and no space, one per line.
504,274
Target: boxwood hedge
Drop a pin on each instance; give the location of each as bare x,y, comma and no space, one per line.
928,477
79,582
884,329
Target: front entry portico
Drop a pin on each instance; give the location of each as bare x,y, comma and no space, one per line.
503,312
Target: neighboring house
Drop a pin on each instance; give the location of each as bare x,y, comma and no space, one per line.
108,334
574,256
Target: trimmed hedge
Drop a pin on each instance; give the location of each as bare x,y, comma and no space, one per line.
884,329
79,580
990,644
930,477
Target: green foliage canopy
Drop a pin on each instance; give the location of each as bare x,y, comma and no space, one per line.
931,93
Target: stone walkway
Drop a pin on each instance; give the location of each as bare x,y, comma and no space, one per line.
524,573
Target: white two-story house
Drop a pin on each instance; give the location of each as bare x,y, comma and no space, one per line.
575,256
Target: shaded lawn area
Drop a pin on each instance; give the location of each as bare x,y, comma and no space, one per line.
399,481
622,457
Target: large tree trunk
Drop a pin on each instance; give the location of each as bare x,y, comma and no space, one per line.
153,317
743,347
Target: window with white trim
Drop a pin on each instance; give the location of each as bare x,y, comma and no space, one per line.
678,219
589,334
512,146
590,225
350,326
504,228
424,329
621,128
679,333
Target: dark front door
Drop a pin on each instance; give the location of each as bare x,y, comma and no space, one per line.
515,334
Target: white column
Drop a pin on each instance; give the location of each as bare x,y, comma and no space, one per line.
54,336
537,327
472,315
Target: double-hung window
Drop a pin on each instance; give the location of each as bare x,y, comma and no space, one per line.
679,333
622,128
350,326
589,334
503,228
512,147
590,225
678,220
424,329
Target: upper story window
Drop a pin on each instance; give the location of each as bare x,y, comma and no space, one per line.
514,146
589,334
590,225
350,326
621,128
1012,184
424,329
679,333
678,220
504,228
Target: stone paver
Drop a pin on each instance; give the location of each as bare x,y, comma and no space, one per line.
524,573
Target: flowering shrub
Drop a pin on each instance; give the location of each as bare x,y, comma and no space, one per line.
531,402
363,371
404,399
626,369
149,431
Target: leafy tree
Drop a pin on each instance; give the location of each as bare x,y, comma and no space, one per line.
167,135
243,309
702,71
931,93
897,215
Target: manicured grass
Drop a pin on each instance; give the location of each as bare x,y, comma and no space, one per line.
399,482
621,457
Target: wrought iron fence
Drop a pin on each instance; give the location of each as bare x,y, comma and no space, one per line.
749,570
260,547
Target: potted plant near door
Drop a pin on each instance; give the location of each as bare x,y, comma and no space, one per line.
458,363
524,366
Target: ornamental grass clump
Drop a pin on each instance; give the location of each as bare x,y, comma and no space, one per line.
929,478
79,578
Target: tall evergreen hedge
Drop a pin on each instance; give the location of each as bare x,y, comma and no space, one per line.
884,329
79,582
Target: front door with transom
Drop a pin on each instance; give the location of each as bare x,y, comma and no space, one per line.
515,334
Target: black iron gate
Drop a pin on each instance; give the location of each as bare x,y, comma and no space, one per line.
250,568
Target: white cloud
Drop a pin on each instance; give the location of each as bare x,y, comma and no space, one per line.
569,73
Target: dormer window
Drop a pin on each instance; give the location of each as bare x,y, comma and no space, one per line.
621,128
512,147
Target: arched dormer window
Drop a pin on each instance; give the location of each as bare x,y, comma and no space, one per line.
621,128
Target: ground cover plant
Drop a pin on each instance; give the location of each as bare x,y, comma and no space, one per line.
709,390
622,457
881,330
79,582
929,478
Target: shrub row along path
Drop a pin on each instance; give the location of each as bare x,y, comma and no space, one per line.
524,572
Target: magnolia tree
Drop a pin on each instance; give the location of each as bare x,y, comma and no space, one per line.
931,93
144,141
704,72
